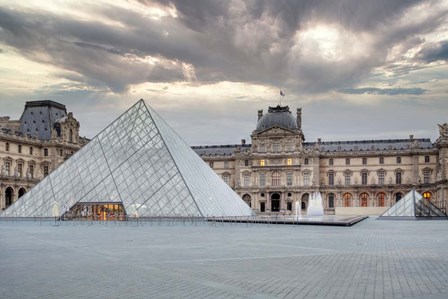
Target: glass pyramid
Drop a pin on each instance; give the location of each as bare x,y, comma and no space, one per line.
412,206
137,161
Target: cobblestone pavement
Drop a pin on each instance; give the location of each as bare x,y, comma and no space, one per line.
373,259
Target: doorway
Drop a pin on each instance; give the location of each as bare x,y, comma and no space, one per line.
275,202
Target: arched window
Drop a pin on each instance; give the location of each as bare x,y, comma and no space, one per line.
364,199
381,199
398,196
276,178
347,200
70,136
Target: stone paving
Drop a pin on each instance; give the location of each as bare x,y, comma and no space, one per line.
372,259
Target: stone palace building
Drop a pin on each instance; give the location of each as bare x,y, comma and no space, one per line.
272,174
279,169
33,146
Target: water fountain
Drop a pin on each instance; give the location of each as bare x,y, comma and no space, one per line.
315,205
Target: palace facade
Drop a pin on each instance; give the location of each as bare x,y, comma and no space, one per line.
279,169
33,146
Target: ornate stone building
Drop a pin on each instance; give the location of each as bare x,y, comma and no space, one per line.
32,147
279,169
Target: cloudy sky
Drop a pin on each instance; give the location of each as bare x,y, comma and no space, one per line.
370,69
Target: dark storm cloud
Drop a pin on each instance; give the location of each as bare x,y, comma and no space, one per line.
384,91
435,53
250,41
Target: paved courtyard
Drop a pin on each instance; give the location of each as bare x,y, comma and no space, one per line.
372,259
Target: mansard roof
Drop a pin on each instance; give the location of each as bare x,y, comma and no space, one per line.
328,146
218,150
372,145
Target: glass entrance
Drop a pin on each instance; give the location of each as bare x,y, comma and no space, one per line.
96,211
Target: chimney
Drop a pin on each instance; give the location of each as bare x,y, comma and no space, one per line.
243,141
299,118
411,137
260,114
319,140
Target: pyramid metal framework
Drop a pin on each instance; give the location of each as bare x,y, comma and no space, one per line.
413,206
140,162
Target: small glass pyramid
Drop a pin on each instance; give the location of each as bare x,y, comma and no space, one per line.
412,206
139,162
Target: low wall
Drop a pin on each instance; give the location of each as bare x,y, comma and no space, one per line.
360,210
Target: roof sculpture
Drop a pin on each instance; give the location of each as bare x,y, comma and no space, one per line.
137,161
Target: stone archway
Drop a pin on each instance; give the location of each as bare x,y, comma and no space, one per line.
305,199
9,196
275,202
247,199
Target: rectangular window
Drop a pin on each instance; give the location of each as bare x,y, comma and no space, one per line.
246,162
347,161
7,146
289,206
31,150
45,152
262,148
364,161
398,160
246,180
330,162
364,178
31,169
46,170
61,152
20,170
381,160
276,179
210,164
398,178
306,179
381,178
289,178
276,147
347,179
8,168
426,159
331,201
289,147
226,178
331,179
426,177
262,178
262,162
289,161
19,148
